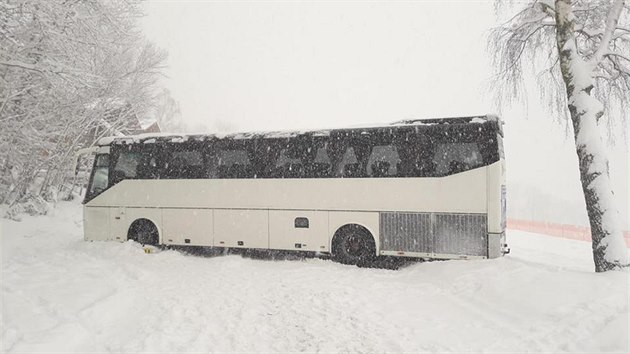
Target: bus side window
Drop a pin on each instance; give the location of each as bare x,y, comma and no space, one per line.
383,161
451,158
185,164
126,166
321,165
349,165
234,164
149,167
288,165
418,162
212,165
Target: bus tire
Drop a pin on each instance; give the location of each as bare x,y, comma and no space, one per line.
144,232
353,244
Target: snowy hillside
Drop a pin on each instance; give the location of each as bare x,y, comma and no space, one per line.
61,294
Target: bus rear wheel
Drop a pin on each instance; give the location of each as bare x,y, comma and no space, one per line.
144,232
353,244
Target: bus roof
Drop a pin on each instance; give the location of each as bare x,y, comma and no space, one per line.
148,138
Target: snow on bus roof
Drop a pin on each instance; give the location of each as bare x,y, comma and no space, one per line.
451,120
149,138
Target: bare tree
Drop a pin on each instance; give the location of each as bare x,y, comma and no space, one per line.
580,51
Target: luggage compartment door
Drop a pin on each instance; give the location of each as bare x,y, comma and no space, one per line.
239,228
298,230
192,227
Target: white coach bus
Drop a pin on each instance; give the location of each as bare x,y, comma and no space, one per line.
419,188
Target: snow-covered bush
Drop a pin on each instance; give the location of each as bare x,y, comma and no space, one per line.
31,205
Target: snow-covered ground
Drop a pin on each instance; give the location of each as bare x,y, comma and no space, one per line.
61,294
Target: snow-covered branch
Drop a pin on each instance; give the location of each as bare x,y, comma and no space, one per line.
526,42
74,71
21,65
617,55
611,24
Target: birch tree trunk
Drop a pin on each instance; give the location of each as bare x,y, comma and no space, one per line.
609,249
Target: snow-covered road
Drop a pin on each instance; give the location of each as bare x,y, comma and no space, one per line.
62,294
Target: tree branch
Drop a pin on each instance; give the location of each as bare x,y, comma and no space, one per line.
21,65
611,24
610,54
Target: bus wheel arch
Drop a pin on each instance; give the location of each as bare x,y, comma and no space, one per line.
144,231
353,244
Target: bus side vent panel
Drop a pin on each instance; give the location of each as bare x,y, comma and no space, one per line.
454,234
408,232
461,234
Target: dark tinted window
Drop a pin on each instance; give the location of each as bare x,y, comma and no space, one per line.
286,158
230,163
349,165
152,163
445,150
185,164
421,165
102,160
453,158
136,162
126,166
99,178
297,157
321,164
383,161
289,164
418,151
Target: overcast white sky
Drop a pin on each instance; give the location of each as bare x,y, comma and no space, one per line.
285,65
277,65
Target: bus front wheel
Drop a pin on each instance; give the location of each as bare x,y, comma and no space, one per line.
353,244
144,232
